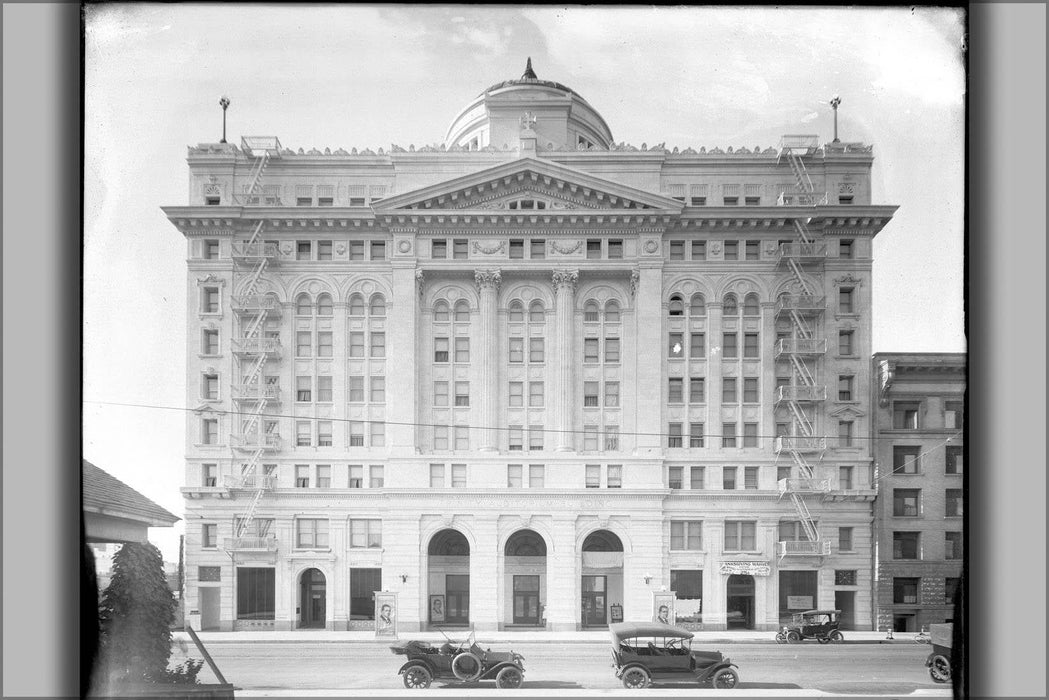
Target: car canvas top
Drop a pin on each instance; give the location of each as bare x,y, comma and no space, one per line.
628,630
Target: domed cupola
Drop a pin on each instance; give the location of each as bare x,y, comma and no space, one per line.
561,118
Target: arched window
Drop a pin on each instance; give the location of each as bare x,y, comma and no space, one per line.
611,311
516,312
356,305
591,313
440,311
677,306
377,306
462,312
697,306
536,313
324,305
731,306
303,305
751,306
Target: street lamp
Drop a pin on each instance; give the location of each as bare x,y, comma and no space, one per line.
224,103
834,105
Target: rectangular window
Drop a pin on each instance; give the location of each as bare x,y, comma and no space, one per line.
730,202
750,345
535,438
905,460
378,390
732,249
536,350
751,202
356,344
304,249
675,477
845,433
750,390
378,250
674,435
955,461
750,434
905,590
303,344
950,588
845,539
303,388
356,250
676,390
686,535
440,349
514,477
593,248
356,389
845,199
210,387
516,438
750,477
458,476
612,351
676,345
845,305
211,249
677,250
324,250
728,435
462,393
324,344
740,535
378,344
516,248
302,476
209,343
311,533
462,349
535,394
363,584
611,438
753,248
782,473
324,433
611,394
537,249
845,387
375,476
460,249
516,394
536,476
845,478
323,476
365,533
593,476
953,415
728,390
590,350
697,349
590,438
614,476
845,246
440,393
303,434
844,577
696,478
209,300
440,437
728,478
905,545
439,248
304,202
696,390
953,504
516,354
256,593
356,476
699,248
845,343
209,474
378,434
324,389
209,536
437,476
615,249
590,394
905,415
209,431
906,503
462,438
695,434
729,349
356,434
212,201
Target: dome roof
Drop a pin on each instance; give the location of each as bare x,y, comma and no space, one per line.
530,78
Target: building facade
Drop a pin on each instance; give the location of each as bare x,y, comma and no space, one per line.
530,376
920,453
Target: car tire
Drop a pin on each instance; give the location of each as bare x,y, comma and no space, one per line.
781,638
837,637
509,678
636,678
725,679
940,669
417,677
823,640
473,666
793,637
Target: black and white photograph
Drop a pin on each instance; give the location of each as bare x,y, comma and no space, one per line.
512,336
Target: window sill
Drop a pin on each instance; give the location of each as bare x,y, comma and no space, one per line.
215,445
305,550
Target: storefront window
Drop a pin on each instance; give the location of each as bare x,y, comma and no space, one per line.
797,593
256,591
687,585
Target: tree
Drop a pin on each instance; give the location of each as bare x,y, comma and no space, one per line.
135,615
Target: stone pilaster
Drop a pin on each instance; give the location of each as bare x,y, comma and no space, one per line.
650,354
488,282
401,335
562,582
563,391
714,340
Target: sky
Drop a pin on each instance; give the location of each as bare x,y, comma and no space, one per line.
370,76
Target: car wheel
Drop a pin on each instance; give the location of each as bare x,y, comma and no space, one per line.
940,669
725,679
781,638
509,677
837,637
417,677
793,637
823,640
635,678
466,666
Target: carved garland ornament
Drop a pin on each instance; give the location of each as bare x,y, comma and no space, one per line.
492,249
565,249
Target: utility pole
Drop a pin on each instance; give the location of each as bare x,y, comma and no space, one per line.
833,103
224,103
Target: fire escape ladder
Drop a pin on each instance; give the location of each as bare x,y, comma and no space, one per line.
801,173
795,269
802,371
804,332
801,421
803,230
807,523
255,176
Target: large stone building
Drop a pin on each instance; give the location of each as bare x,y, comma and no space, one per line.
530,376
920,453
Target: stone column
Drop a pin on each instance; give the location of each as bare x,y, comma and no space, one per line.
650,362
488,282
767,349
401,362
563,390
714,339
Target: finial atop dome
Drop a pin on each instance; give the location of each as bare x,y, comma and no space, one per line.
529,74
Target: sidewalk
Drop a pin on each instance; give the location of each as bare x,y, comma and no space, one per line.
517,637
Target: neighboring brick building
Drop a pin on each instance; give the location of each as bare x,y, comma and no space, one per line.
531,373
920,453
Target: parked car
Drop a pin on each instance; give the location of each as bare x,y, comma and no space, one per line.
458,661
652,652
821,625
939,661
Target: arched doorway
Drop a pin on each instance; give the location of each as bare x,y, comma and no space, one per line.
739,605
448,566
524,566
312,599
602,582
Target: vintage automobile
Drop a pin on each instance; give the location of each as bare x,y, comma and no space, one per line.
939,661
821,625
458,661
652,652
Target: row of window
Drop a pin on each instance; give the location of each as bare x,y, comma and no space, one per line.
907,503
908,591
907,415
908,545
907,459
257,587
732,478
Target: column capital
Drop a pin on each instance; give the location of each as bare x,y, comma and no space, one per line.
565,279
488,279
420,282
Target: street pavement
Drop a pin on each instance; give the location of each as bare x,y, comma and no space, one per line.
301,666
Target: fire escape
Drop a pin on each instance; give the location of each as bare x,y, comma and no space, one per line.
254,394
804,395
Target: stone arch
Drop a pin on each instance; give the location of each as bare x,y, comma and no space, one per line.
427,533
788,285
312,286
601,293
526,292
366,286
537,527
451,293
687,286
740,285
615,528
266,286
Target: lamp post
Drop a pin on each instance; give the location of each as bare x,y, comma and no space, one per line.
834,105
224,103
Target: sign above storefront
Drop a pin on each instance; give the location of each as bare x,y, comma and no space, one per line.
751,568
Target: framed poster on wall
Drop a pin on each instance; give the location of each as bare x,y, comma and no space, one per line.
385,614
663,607
437,608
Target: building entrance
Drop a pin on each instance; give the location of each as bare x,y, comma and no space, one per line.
740,602
448,565
595,601
458,603
312,595
602,582
524,566
526,600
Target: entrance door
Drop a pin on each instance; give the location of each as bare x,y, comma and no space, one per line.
846,602
457,603
740,602
209,608
312,599
594,601
526,600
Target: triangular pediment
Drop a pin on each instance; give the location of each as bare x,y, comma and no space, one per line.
529,185
847,412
